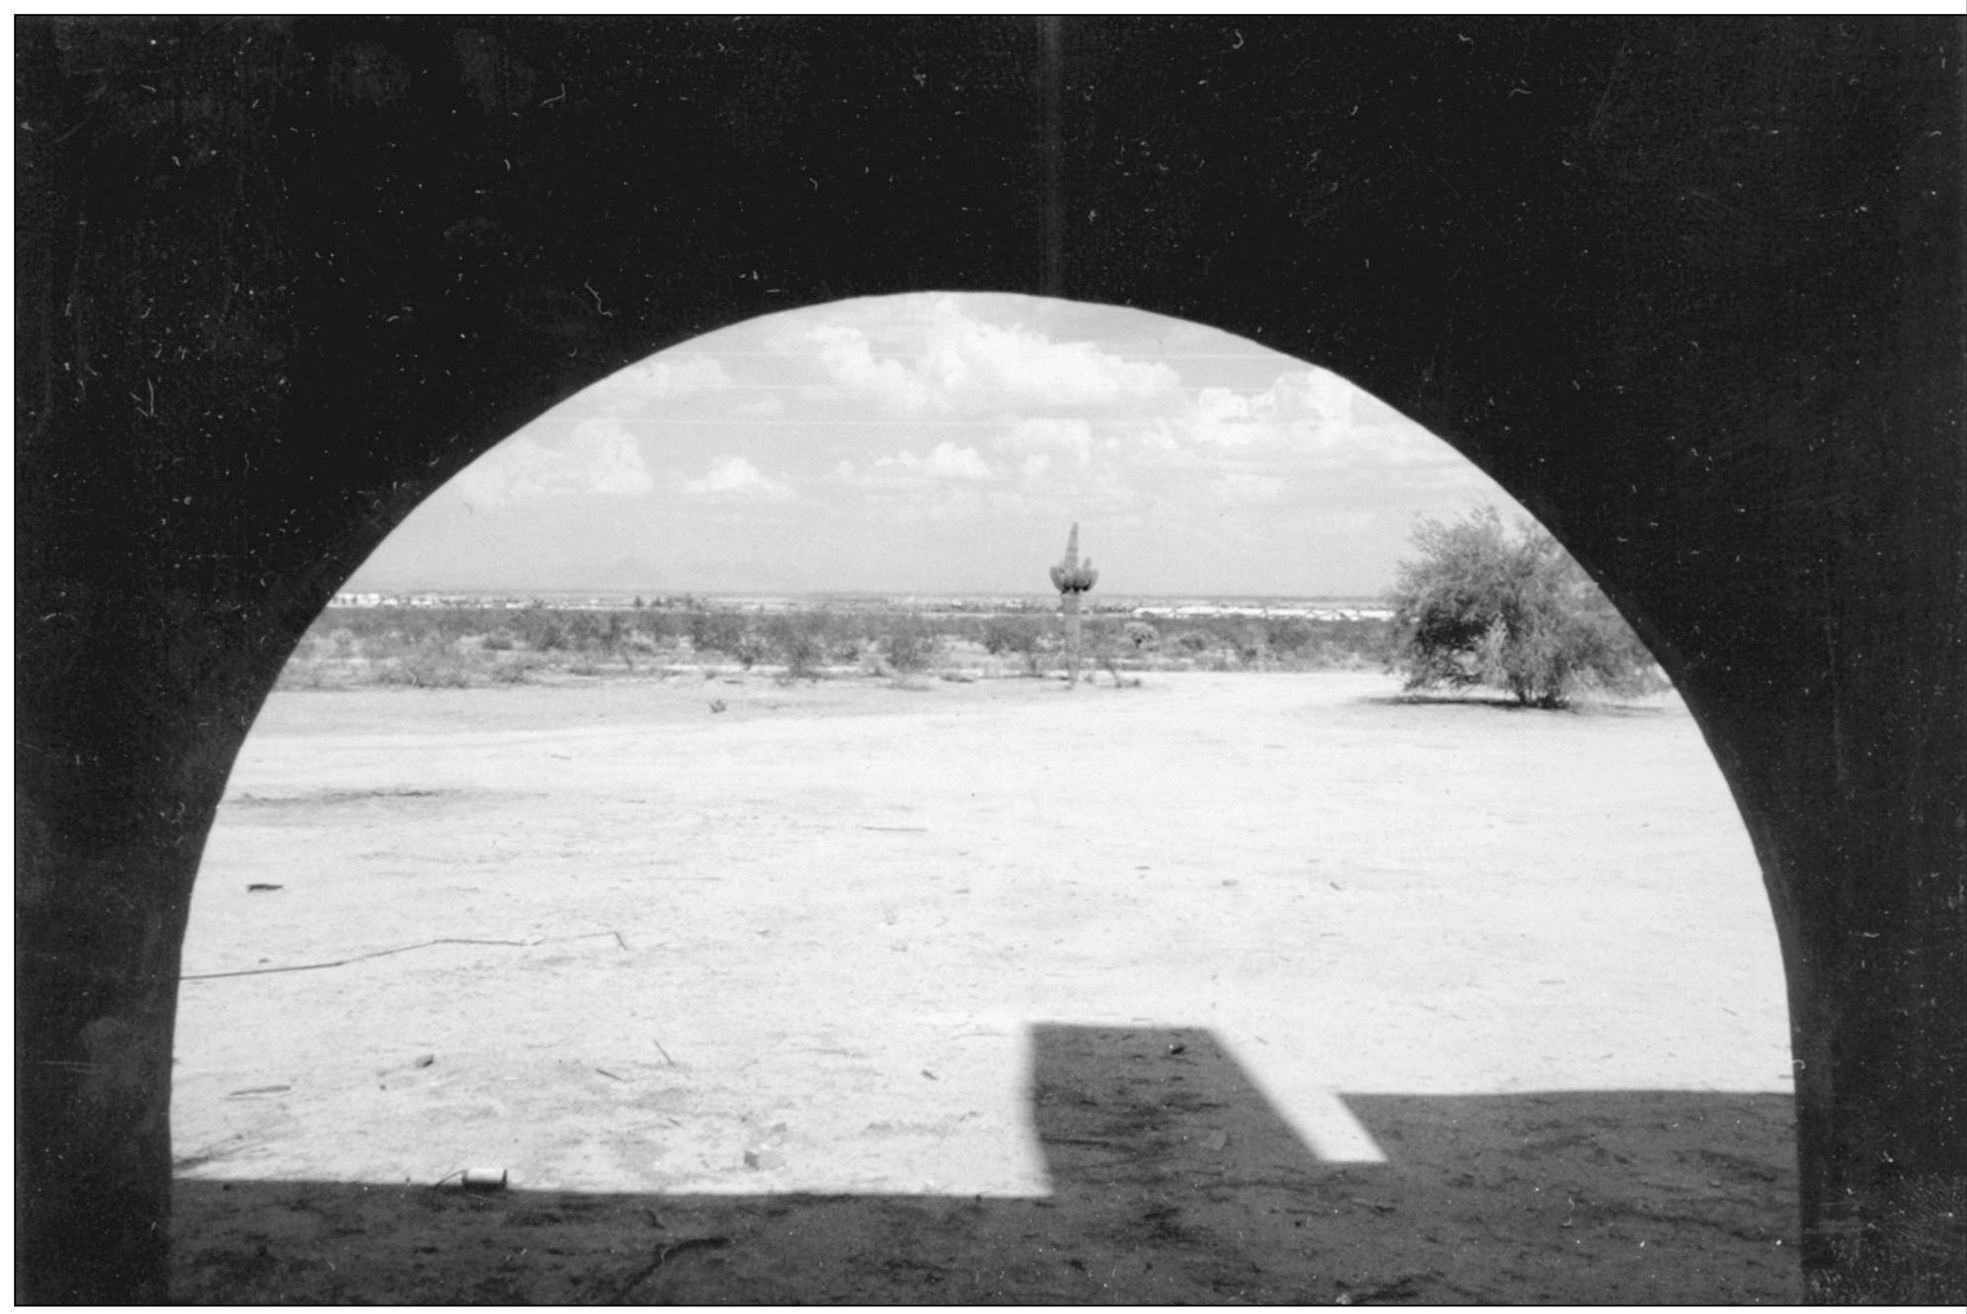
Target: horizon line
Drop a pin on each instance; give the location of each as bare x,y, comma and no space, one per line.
755,592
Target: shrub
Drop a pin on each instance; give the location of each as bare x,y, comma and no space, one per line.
658,627
517,669
911,646
1246,640
716,631
1292,636
1020,636
1034,639
799,642
1478,608
1191,642
749,650
539,629
429,664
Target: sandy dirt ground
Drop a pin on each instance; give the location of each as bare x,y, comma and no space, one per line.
1224,988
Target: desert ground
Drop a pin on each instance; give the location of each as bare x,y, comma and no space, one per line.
1223,988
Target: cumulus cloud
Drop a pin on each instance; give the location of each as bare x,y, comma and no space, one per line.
950,362
848,358
1305,410
1305,421
661,378
1071,437
597,456
732,478
945,463
1050,437
610,459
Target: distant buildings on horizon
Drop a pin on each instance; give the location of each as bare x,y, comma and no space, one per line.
1142,608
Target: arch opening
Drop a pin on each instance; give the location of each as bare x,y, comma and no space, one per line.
374,241
1304,1058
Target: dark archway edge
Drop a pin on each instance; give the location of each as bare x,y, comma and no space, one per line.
1690,289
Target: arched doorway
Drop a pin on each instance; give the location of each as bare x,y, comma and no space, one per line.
666,932
369,251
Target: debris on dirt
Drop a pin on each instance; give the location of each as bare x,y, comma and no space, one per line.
717,704
1215,1140
665,1054
1178,1049
424,1060
259,886
385,953
1401,1288
1093,1141
476,1180
609,1075
663,1256
258,1090
930,1075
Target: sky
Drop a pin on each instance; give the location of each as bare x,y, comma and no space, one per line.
942,443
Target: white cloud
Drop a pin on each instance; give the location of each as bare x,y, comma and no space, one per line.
1307,421
662,377
946,463
1070,438
610,458
848,359
734,478
1304,410
597,456
943,361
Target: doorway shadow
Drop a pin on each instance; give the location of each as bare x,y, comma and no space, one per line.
1173,1180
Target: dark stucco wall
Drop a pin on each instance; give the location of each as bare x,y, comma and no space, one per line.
1691,290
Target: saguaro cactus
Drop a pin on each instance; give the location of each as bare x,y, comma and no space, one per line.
1071,578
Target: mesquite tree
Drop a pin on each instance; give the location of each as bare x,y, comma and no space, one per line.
1071,578
1479,607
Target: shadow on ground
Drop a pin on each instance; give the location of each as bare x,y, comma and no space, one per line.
1173,1180
1586,706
